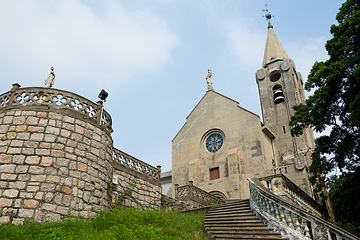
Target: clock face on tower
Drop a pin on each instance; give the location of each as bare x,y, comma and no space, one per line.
214,142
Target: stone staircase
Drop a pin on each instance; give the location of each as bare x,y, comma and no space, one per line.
235,220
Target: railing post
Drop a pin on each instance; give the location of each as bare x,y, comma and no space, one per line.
267,206
263,203
15,87
306,228
191,185
289,219
176,191
297,224
159,171
99,112
277,214
272,209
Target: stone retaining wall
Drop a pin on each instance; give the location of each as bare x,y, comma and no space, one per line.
146,191
52,162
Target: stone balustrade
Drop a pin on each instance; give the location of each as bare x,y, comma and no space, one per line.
193,193
56,99
282,186
137,165
292,221
176,205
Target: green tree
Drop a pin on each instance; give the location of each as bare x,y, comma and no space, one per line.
335,103
343,192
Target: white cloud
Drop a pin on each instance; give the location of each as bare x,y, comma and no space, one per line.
243,43
84,47
306,53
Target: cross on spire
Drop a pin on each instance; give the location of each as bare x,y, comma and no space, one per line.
267,15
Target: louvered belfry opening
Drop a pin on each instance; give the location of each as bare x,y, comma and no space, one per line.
278,94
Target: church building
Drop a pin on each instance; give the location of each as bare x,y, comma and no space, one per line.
221,144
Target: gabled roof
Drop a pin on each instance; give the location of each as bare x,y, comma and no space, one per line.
213,92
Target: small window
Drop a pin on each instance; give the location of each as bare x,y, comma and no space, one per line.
214,173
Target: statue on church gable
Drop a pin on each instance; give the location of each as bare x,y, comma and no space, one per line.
209,80
50,78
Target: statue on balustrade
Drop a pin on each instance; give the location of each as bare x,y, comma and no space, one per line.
209,80
50,78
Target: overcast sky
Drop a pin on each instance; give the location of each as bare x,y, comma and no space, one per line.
152,56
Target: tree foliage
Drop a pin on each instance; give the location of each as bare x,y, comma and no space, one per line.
343,190
335,105
335,102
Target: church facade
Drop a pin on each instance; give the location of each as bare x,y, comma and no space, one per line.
221,144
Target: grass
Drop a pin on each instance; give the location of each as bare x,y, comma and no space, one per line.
121,223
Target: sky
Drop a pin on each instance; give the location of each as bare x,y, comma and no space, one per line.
152,56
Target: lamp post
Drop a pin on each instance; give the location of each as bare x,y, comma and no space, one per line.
102,95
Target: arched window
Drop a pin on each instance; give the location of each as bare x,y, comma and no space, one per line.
278,94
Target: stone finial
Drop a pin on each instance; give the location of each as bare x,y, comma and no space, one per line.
159,169
209,80
50,78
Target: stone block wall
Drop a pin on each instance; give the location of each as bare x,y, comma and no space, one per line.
146,192
52,163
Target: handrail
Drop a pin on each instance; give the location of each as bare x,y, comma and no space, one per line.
135,164
287,217
192,191
296,193
58,99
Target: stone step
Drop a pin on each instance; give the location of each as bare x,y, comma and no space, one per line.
226,208
232,213
235,200
235,220
236,223
238,218
247,233
239,229
234,226
256,232
237,203
248,237
249,221
232,202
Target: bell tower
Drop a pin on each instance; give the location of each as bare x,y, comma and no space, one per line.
280,88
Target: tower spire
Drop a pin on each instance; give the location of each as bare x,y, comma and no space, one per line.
273,47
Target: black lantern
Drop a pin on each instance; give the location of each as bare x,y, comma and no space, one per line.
103,95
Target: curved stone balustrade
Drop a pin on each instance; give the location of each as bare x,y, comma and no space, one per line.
135,164
56,98
293,222
193,192
304,199
281,184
